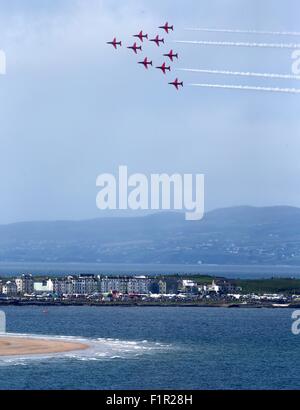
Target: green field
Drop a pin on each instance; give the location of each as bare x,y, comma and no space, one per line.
274,285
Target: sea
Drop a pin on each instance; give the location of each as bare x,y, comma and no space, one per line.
156,348
228,271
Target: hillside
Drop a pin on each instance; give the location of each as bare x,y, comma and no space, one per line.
241,235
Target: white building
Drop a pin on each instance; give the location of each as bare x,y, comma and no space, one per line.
213,287
138,285
84,285
189,286
25,284
162,286
63,286
132,285
110,284
10,288
76,285
44,287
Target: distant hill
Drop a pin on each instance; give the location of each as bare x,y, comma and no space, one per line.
240,235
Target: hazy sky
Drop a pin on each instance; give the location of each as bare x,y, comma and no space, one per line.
72,108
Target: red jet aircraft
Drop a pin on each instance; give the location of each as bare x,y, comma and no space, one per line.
171,55
158,40
176,84
166,27
115,43
135,48
163,68
146,63
141,36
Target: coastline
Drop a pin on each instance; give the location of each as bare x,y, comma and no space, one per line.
11,345
223,305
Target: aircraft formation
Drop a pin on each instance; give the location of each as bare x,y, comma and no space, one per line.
137,47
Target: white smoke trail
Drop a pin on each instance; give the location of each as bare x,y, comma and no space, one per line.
242,73
249,88
273,33
240,44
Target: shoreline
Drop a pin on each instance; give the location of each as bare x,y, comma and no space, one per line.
11,345
224,305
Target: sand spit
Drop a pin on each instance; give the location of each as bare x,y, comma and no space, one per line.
23,346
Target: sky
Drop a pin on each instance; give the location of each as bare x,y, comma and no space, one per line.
71,107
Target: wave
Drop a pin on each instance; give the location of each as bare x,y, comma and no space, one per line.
98,349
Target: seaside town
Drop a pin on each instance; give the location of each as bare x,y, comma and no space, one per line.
141,290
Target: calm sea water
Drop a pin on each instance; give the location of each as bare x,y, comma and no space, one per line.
158,348
230,271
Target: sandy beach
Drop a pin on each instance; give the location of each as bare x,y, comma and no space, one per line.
22,346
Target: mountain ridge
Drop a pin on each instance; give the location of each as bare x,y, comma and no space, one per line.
236,235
